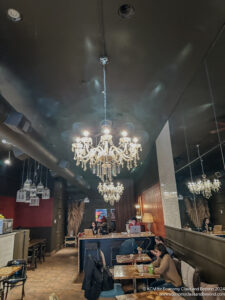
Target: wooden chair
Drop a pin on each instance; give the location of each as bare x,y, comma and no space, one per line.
42,251
32,257
18,279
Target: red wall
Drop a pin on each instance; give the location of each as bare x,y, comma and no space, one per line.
27,216
7,207
152,203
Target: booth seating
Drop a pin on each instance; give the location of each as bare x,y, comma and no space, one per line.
190,276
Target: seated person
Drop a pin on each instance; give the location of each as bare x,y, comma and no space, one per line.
207,225
160,240
165,267
103,226
129,246
94,227
133,222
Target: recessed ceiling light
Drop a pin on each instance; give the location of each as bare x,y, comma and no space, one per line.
126,11
14,15
7,162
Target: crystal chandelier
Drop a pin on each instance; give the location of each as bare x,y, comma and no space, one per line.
204,186
105,159
111,193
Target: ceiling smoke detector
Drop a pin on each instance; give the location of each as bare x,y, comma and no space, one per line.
14,15
126,11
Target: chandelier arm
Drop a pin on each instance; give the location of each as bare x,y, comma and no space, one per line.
214,111
121,153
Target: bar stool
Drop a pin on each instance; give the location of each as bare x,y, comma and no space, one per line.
114,251
91,248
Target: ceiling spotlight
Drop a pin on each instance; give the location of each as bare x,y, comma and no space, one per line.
126,11
14,15
4,141
7,161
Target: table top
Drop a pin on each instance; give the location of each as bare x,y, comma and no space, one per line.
8,271
131,272
121,235
151,295
127,259
35,242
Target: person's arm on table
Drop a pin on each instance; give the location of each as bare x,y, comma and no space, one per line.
156,263
164,265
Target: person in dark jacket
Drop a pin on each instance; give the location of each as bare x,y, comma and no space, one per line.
92,283
94,227
160,240
129,246
207,225
104,226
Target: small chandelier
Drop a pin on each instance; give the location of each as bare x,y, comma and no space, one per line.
106,159
204,186
111,193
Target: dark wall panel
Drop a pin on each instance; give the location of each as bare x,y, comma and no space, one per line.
42,233
125,208
149,175
200,250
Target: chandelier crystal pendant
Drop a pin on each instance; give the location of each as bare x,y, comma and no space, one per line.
204,186
106,159
111,193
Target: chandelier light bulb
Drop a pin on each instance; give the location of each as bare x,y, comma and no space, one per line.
106,131
86,133
77,139
135,140
124,133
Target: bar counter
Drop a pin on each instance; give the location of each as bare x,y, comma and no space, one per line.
106,242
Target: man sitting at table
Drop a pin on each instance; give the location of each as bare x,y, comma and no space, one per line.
129,246
165,267
133,222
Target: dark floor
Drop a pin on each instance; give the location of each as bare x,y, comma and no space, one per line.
55,275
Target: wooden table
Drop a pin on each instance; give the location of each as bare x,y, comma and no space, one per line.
6,272
130,258
151,295
36,242
122,272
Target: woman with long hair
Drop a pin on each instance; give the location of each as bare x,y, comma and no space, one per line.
165,267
